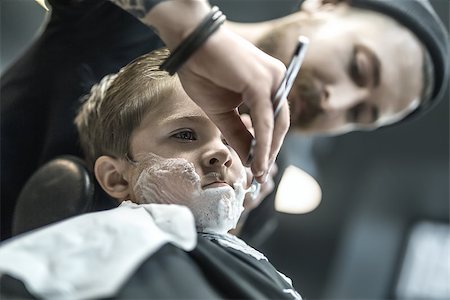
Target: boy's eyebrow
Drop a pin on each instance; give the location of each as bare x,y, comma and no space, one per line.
198,118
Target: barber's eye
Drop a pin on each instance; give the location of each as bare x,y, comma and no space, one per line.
363,113
187,135
354,113
357,71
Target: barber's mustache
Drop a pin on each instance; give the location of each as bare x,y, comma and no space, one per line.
306,91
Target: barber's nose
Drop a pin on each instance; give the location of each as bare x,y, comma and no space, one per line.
219,155
334,99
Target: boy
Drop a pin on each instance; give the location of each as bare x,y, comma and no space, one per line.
149,143
149,146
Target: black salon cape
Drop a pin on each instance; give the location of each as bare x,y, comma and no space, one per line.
210,271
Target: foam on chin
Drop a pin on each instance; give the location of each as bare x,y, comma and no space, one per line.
216,210
175,181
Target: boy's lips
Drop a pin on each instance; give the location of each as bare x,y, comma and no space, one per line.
215,184
214,179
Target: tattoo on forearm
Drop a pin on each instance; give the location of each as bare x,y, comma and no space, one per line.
138,8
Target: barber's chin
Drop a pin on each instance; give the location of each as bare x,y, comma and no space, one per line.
307,128
296,108
314,129
330,131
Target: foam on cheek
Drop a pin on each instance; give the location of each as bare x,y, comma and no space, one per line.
174,181
165,180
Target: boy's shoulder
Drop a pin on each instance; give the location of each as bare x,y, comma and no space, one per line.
112,242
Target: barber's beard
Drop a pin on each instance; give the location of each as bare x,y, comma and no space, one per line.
306,92
304,88
175,181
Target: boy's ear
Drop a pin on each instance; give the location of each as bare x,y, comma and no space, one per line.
312,6
110,175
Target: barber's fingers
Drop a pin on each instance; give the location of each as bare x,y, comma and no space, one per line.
282,122
281,127
268,134
261,113
269,185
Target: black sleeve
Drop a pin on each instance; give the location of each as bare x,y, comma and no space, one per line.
71,7
149,4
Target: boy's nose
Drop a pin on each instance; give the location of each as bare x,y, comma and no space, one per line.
218,156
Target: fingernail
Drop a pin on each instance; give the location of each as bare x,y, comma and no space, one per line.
259,173
265,177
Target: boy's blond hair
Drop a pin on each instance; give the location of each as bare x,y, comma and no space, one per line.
115,106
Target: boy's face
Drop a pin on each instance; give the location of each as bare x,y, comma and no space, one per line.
182,158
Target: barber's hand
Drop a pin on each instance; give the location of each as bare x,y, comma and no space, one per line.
225,72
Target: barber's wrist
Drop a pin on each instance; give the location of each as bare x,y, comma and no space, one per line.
174,20
209,25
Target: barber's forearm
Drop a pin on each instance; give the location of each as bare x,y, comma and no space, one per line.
172,20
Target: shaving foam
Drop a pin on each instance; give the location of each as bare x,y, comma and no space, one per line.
175,181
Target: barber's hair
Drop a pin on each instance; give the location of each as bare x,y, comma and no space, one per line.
426,94
116,106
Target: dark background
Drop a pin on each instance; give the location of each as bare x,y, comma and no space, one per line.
375,186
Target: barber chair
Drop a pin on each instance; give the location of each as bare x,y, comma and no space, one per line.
60,189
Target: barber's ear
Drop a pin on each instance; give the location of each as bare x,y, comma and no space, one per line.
110,175
312,6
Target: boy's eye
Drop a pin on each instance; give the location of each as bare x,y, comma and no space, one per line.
224,141
185,135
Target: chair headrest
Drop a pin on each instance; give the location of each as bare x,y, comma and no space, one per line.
61,188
